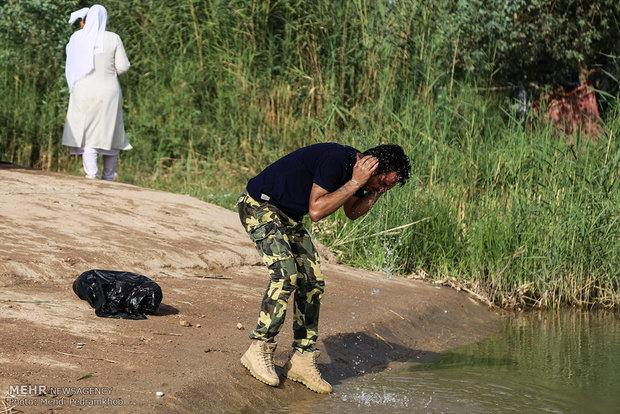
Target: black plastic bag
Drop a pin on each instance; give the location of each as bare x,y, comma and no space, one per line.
121,295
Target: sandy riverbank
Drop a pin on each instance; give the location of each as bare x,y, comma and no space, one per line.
53,227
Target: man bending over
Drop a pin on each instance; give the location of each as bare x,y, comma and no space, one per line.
315,180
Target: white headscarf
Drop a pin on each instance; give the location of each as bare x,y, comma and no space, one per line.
80,14
85,44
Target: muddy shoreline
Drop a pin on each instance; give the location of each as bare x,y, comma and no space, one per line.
55,226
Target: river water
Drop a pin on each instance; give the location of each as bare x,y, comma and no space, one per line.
566,362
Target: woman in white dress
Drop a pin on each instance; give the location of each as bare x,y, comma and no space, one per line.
95,57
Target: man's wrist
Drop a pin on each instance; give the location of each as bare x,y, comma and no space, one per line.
356,182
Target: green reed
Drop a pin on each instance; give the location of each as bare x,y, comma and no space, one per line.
515,213
219,89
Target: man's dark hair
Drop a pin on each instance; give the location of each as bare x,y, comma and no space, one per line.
391,158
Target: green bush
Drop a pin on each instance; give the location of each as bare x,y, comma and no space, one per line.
219,89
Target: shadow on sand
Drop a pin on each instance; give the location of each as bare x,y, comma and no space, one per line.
165,310
355,354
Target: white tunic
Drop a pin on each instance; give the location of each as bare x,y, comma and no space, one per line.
95,114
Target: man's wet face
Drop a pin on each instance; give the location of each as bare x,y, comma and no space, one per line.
382,182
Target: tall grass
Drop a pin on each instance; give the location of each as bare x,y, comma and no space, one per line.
219,89
514,213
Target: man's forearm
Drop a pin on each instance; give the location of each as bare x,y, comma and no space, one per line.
362,205
327,203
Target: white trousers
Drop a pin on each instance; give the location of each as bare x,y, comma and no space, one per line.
89,159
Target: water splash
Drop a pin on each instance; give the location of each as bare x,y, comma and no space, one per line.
387,270
370,398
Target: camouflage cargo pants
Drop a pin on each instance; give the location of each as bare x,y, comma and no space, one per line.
287,250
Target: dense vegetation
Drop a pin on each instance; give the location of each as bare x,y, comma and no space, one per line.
507,208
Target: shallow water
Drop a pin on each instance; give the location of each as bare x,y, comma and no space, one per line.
539,362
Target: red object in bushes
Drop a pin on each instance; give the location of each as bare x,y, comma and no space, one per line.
571,110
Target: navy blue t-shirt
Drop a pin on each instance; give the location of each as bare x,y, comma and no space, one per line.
287,182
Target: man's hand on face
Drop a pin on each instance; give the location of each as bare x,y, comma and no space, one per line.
365,167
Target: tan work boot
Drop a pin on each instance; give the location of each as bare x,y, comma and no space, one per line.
258,359
302,368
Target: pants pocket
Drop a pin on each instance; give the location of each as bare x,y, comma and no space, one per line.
262,231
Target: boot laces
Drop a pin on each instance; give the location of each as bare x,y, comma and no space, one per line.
314,371
267,358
